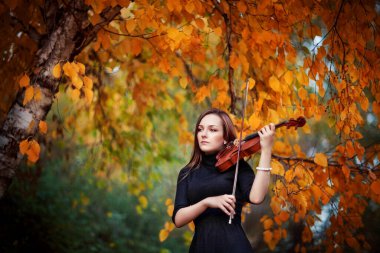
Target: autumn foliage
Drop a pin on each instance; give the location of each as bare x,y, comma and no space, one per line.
317,59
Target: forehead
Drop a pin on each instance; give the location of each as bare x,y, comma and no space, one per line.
211,119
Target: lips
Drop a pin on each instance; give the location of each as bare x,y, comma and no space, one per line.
204,142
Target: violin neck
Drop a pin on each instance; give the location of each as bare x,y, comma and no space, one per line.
254,135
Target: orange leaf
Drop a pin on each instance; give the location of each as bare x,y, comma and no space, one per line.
131,25
202,93
346,171
284,216
320,159
24,146
57,71
268,223
29,93
42,126
277,168
302,93
274,83
234,61
241,6
34,151
24,81
375,187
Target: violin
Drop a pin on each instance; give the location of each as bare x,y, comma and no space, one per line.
248,146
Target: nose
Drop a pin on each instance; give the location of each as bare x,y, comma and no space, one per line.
204,134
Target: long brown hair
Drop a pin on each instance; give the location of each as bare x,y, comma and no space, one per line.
229,134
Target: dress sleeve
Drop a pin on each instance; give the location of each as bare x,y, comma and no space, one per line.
245,179
181,199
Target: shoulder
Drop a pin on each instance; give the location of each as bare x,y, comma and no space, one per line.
183,173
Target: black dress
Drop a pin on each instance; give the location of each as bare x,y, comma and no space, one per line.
212,231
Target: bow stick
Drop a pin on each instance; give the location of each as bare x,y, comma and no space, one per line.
239,147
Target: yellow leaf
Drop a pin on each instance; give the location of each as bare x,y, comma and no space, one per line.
57,71
320,159
82,68
288,77
191,226
277,168
289,175
163,235
131,25
375,187
24,81
143,201
173,33
87,82
168,201
274,83
24,146
170,210
88,94
68,70
188,30
37,94
183,82
251,83
74,94
77,82
43,127
29,93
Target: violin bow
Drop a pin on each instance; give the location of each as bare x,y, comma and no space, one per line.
239,145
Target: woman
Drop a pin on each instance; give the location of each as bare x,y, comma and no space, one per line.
204,194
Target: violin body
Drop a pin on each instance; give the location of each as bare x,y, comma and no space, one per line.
250,145
228,156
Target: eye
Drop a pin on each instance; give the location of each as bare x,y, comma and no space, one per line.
214,130
199,130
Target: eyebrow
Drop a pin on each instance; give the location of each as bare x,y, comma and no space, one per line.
209,125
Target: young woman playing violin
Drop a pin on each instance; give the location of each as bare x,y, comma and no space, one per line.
203,193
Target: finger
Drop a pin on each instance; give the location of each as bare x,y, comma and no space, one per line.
230,202
224,210
230,209
231,197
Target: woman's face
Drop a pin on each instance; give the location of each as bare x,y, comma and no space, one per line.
210,134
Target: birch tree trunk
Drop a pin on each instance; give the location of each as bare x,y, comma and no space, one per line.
64,41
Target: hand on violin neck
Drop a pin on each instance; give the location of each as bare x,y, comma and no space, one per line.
267,137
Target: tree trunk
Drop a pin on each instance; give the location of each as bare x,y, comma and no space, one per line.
72,33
